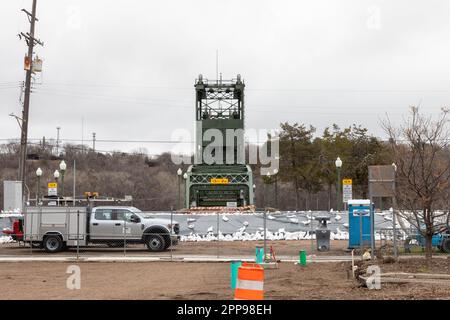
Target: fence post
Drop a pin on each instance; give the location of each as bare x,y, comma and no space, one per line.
311,228
394,231
124,236
218,241
78,233
361,243
31,232
265,236
171,231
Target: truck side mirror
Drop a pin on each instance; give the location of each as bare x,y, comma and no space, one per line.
135,219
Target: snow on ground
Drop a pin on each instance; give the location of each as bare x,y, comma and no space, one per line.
281,234
11,214
241,235
6,239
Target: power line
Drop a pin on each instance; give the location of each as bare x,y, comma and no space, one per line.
344,90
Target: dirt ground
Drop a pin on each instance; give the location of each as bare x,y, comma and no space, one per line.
191,281
281,248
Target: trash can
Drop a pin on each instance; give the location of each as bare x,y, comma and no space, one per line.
323,234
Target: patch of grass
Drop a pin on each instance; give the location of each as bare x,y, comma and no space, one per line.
423,269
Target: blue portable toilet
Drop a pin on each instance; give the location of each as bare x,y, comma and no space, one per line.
360,213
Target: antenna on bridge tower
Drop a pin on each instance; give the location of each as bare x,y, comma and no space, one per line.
217,65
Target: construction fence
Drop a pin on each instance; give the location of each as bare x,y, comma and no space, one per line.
210,235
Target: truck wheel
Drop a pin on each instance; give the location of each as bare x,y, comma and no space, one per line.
446,245
156,242
53,244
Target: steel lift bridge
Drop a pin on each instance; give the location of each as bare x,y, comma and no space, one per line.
228,181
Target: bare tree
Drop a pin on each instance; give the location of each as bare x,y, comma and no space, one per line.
420,148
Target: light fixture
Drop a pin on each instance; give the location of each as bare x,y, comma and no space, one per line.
56,174
395,167
63,166
180,172
39,172
338,162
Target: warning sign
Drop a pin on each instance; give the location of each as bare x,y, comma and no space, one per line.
347,190
219,181
52,188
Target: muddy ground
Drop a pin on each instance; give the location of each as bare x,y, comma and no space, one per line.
175,280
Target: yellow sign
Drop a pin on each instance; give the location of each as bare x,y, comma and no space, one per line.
220,181
347,182
91,194
52,185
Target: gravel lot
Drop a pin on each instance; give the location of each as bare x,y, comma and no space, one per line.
175,280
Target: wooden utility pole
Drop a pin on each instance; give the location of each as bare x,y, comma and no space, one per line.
31,41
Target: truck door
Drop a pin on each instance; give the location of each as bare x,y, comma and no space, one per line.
125,224
102,224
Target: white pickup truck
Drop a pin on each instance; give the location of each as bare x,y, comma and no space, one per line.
56,228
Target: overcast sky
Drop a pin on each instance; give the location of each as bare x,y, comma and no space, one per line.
128,67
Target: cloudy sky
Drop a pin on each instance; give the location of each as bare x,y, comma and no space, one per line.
126,69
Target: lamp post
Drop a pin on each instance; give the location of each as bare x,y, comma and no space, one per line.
268,175
275,173
56,176
338,164
38,191
179,173
185,177
62,168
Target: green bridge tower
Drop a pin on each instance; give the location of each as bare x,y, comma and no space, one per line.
219,176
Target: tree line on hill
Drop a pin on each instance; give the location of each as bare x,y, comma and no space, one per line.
306,179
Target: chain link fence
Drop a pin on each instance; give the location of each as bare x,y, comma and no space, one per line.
183,236
220,235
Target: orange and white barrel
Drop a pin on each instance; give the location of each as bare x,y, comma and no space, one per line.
250,282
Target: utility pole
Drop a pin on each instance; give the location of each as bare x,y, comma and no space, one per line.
31,41
57,140
93,141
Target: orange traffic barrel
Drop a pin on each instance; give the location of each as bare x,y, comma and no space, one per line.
250,282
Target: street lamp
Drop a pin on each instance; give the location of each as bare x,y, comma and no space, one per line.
56,176
275,173
38,193
265,187
179,173
338,164
395,167
185,177
62,168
